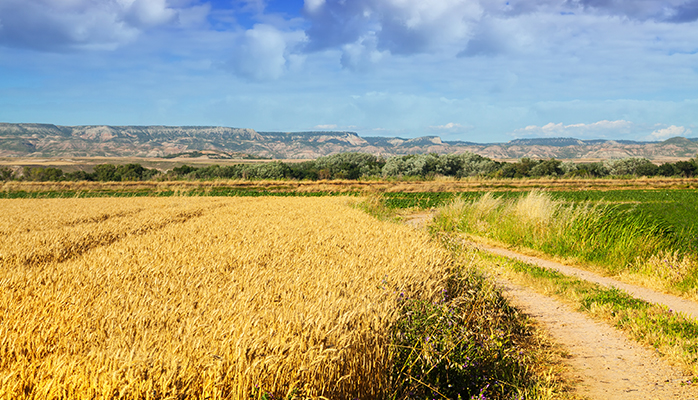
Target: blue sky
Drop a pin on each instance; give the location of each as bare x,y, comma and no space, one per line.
474,70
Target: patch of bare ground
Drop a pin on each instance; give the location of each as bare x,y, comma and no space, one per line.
605,363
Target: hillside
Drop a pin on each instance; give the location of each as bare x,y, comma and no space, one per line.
45,140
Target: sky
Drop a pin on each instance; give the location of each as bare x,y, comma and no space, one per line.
471,70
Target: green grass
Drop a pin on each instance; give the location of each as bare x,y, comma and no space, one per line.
677,207
673,335
467,342
617,237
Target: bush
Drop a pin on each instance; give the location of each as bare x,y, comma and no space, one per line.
6,174
42,174
349,165
550,167
127,172
466,342
627,166
423,165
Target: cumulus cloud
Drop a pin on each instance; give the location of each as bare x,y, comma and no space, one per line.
264,52
58,25
687,12
475,27
670,131
362,54
148,13
400,27
594,130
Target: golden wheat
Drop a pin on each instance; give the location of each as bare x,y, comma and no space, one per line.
202,298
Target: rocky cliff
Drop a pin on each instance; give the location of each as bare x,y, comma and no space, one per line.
43,140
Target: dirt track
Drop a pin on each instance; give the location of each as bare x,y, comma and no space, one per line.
607,364
677,304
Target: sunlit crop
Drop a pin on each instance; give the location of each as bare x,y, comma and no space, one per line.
202,297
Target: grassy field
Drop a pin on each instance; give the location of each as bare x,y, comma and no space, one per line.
647,237
248,298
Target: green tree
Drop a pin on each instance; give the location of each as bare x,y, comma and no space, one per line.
550,167
105,172
6,174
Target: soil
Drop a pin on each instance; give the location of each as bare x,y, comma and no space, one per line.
606,364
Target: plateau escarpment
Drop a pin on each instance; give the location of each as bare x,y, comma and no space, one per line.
45,140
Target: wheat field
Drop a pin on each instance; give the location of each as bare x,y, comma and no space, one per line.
215,298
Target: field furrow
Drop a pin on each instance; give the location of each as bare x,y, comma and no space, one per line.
60,239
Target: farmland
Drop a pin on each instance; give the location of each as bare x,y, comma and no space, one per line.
286,289
240,297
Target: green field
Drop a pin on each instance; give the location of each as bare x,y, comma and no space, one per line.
676,207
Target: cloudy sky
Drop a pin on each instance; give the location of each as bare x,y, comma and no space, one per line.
475,70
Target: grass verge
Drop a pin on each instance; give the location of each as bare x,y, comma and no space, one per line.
623,242
469,343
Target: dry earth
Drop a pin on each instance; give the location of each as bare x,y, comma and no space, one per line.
607,365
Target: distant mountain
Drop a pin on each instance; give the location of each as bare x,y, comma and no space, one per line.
44,140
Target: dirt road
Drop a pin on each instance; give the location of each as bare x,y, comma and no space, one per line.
607,364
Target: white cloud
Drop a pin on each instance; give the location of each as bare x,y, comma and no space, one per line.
400,26
451,128
670,131
361,55
312,6
659,10
58,25
594,130
264,53
449,125
148,13
328,126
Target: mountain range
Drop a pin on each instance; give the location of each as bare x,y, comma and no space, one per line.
45,140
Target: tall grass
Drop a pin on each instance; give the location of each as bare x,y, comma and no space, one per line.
616,240
469,343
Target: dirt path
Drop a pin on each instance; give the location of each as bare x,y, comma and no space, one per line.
677,304
607,364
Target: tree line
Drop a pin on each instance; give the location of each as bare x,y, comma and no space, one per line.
367,166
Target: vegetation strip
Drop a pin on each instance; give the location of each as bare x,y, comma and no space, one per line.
618,241
362,165
672,334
